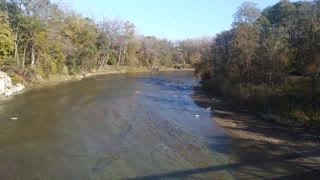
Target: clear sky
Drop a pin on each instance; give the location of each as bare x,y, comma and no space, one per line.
171,19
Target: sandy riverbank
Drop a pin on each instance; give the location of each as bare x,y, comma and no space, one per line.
256,142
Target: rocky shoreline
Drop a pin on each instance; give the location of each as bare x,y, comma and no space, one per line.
7,88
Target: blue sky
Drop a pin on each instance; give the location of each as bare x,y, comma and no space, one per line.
171,19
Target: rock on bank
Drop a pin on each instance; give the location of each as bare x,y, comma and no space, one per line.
6,86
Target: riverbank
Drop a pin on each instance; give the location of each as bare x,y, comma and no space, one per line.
38,82
292,103
257,142
23,85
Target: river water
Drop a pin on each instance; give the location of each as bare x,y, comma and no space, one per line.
138,125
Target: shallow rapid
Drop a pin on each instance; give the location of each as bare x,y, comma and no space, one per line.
138,125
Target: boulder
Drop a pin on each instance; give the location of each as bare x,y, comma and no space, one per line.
2,86
6,86
8,82
17,88
8,93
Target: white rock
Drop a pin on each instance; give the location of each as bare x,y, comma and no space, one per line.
14,118
6,86
197,116
79,77
209,108
8,83
17,88
2,86
8,93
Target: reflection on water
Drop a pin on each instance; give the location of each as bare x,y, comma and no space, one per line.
101,127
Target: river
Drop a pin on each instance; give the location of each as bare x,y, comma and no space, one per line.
135,125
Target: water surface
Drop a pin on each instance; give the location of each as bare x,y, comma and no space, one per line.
110,126
131,126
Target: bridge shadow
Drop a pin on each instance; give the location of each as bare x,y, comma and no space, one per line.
251,161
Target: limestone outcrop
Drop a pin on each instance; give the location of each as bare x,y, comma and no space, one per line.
6,86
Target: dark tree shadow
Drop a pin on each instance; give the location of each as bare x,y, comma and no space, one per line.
252,161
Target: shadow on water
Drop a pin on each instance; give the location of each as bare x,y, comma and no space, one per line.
252,160
249,169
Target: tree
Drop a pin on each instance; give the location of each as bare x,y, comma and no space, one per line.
247,13
127,39
246,40
221,53
313,35
6,40
273,55
36,13
150,51
280,13
109,30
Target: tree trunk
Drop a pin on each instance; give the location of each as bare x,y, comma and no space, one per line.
248,75
24,55
105,61
32,54
16,52
119,58
270,78
313,91
124,57
154,62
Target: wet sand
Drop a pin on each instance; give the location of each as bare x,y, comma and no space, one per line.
257,145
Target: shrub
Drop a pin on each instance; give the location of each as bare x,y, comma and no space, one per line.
16,78
112,61
298,116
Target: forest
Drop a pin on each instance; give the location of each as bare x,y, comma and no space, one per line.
40,38
269,62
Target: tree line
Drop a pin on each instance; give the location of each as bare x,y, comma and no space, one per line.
42,38
270,58
269,55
